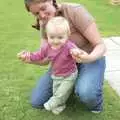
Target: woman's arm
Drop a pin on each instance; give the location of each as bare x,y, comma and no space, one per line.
85,24
99,49
92,34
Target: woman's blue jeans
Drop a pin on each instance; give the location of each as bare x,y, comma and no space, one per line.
89,86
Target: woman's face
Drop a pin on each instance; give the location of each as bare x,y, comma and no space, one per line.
43,11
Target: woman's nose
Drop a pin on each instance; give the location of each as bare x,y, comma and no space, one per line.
42,15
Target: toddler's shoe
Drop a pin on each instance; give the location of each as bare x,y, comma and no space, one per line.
47,106
96,112
58,110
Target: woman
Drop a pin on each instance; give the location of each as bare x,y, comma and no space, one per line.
91,65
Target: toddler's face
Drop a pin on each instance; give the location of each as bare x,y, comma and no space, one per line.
57,38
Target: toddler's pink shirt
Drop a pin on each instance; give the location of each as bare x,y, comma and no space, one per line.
61,60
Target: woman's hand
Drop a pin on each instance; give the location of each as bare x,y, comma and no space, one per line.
24,56
81,56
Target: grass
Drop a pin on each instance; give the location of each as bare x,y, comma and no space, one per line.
18,79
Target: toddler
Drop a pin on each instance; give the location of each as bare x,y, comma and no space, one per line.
58,50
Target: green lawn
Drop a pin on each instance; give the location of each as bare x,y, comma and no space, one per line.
18,79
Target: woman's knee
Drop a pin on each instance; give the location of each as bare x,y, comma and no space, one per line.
38,98
36,104
42,91
86,95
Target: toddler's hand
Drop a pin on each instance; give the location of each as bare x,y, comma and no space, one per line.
21,55
24,56
76,52
79,55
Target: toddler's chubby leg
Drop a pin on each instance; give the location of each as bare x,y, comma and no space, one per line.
62,89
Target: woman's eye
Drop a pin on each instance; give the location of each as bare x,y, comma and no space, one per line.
37,13
43,8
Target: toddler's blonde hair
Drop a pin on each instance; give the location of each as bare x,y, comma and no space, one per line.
59,22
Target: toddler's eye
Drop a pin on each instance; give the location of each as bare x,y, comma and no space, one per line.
60,37
51,37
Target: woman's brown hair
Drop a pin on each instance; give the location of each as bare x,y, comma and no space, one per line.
28,2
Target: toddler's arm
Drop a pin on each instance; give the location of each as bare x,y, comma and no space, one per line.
33,57
37,57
